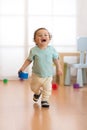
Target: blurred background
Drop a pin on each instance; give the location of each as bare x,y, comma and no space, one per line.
65,19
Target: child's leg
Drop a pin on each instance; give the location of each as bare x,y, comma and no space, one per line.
35,84
47,88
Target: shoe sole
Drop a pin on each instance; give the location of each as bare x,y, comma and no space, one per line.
45,104
35,100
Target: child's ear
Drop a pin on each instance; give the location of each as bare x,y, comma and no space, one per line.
34,40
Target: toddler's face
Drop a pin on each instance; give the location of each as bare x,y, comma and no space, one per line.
42,38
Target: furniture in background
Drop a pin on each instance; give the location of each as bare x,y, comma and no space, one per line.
81,67
62,55
67,80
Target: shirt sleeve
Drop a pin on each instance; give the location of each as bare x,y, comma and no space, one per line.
30,57
55,54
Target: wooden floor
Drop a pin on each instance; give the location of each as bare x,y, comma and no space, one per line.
68,108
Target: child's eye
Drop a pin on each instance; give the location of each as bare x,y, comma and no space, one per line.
43,35
40,35
46,35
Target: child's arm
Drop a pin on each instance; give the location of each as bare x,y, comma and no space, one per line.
25,65
58,67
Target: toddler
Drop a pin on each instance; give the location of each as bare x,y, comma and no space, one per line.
42,56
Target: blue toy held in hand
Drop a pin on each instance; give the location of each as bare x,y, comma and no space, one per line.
23,75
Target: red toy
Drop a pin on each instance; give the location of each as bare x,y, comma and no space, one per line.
54,86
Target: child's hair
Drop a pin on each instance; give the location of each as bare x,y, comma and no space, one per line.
50,36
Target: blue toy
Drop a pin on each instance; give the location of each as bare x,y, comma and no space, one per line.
23,75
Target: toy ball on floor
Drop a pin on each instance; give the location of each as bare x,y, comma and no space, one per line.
23,75
54,86
76,85
5,81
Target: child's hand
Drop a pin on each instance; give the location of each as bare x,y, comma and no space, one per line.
60,72
19,71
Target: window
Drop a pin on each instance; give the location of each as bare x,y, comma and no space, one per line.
20,18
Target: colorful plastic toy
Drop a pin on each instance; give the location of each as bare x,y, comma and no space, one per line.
23,75
76,85
5,81
54,86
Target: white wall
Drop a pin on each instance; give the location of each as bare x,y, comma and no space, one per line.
81,28
81,17
17,26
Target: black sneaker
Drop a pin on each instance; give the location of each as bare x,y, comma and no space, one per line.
45,104
36,97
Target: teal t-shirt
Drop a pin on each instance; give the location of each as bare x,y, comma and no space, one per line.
43,60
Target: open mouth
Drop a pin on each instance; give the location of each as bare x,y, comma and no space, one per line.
43,40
